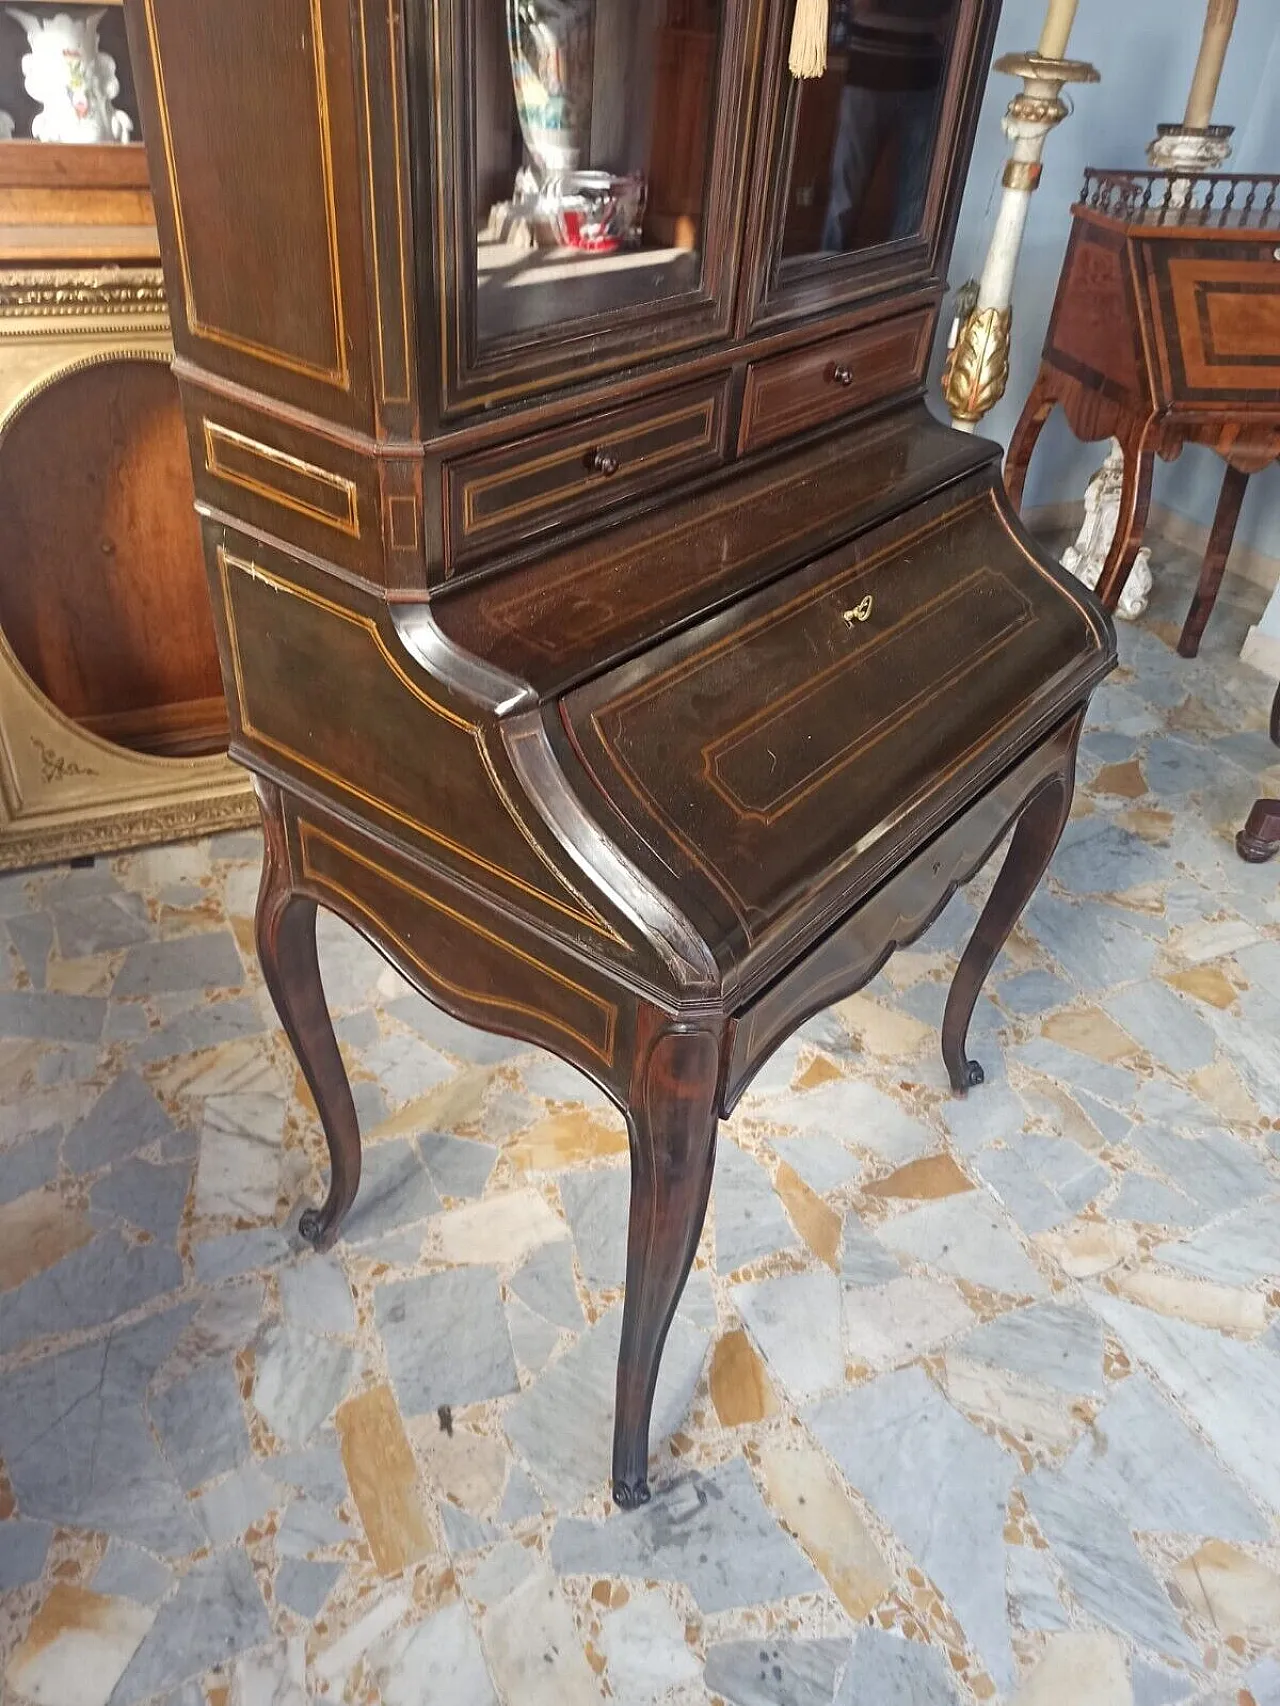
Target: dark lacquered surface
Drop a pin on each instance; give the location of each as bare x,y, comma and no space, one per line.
617,673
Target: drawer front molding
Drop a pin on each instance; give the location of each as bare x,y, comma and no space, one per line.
788,394
504,496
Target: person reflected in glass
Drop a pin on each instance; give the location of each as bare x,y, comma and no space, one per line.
896,51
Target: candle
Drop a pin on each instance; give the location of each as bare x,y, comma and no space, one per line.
1057,27
1218,24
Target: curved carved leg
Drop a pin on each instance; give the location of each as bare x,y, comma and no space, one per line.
1040,827
672,1120
1131,522
285,928
1234,484
1039,405
1260,838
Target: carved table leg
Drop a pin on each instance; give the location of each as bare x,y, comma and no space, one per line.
1234,484
673,1137
1131,522
1039,405
285,927
1258,840
1040,827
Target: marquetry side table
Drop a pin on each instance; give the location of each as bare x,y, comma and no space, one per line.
1166,332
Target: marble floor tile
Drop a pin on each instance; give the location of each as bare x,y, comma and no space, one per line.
1034,1598
395,1191
764,1672
535,1653
941,1485
230,1506
965,1236
200,1423
125,1118
216,1612
78,1647
1142,1458
545,1284
894,1672
300,1379
712,1532
562,1425
1078,1666
1101,1564
446,1339
29,1163
910,1317
145,1195
1240,1250
795,1321
1059,1344
24,1547
304,1584
1231,1390
130,1573
807,1494
208,961
383,1478
92,1285
316,1295
436,1660
750,1221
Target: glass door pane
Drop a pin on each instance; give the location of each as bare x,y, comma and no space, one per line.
866,132
593,128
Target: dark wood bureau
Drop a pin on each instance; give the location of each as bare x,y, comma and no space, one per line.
614,637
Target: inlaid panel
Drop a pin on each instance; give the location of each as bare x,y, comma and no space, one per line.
1221,319
278,297
793,740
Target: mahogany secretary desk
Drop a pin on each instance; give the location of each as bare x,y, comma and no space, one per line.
615,639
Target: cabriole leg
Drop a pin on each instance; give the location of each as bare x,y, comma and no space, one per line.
672,1123
285,928
1039,829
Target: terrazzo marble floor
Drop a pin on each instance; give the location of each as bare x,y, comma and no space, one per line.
967,1401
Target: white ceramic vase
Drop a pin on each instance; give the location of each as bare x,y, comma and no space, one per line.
6,125
74,82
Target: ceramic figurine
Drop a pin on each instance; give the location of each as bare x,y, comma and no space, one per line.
1085,559
74,82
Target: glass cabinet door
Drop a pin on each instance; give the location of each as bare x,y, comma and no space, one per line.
590,174
859,164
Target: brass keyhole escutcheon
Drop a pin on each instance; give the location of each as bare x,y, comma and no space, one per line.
860,612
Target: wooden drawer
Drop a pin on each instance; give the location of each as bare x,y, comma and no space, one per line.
508,496
791,393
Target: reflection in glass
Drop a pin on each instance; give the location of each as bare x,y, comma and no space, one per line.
865,132
592,133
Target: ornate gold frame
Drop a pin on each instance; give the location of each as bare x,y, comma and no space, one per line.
63,791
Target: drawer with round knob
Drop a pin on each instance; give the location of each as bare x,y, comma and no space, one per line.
789,394
502,498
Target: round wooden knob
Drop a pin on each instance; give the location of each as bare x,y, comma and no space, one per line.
600,462
842,375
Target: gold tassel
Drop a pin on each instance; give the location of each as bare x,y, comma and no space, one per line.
808,57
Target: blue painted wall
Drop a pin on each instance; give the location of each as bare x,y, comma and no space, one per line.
1146,51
